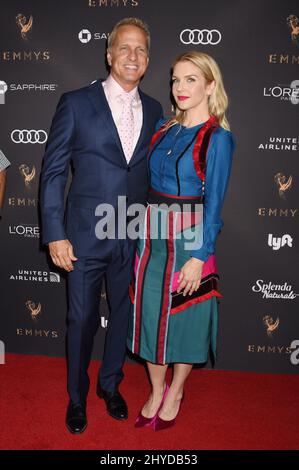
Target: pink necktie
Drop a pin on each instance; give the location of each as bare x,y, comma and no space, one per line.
126,130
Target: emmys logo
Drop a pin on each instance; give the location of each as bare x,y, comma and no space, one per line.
278,242
24,25
270,324
284,57
268,349
293,24
34,310
283,183
22,202
28,175
3,90
277,212
35,333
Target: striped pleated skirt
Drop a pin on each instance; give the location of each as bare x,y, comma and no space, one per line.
165,326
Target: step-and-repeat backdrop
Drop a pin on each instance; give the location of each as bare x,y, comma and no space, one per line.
50,47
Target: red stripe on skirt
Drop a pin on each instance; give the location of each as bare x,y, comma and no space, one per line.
166,292
189,303
141,275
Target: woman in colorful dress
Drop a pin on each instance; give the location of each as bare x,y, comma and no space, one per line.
175,289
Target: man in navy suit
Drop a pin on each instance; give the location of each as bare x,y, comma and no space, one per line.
102,132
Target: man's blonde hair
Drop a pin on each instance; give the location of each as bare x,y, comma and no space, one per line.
129,22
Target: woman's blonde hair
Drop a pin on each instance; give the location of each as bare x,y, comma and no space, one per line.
218,100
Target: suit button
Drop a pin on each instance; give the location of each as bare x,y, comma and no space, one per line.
128,169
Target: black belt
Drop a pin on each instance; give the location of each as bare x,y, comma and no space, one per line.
156,197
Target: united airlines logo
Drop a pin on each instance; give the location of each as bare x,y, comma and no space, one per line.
54,277
201,36
34,275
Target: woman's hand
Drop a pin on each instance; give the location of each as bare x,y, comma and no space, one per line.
190,276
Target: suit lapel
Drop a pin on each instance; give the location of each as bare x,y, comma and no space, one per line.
144,126
98,99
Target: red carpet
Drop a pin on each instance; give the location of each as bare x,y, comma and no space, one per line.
222,410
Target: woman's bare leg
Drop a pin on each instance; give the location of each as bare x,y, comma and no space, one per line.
157,374
172,402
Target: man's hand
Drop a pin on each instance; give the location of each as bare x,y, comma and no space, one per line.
190,276
62,254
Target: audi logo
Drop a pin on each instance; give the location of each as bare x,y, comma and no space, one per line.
29,136
200,36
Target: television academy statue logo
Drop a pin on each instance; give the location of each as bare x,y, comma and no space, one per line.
24,25
283,183
27,174
270,324
35,310
293,24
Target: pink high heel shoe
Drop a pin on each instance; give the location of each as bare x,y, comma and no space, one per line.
142,421
161,424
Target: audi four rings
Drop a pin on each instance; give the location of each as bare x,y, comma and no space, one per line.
31,136
200,36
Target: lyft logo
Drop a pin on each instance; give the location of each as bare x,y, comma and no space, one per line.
278,242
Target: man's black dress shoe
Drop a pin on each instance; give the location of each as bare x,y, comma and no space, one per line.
76,420
115,404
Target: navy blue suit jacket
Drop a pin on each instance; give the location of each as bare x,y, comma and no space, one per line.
83,135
